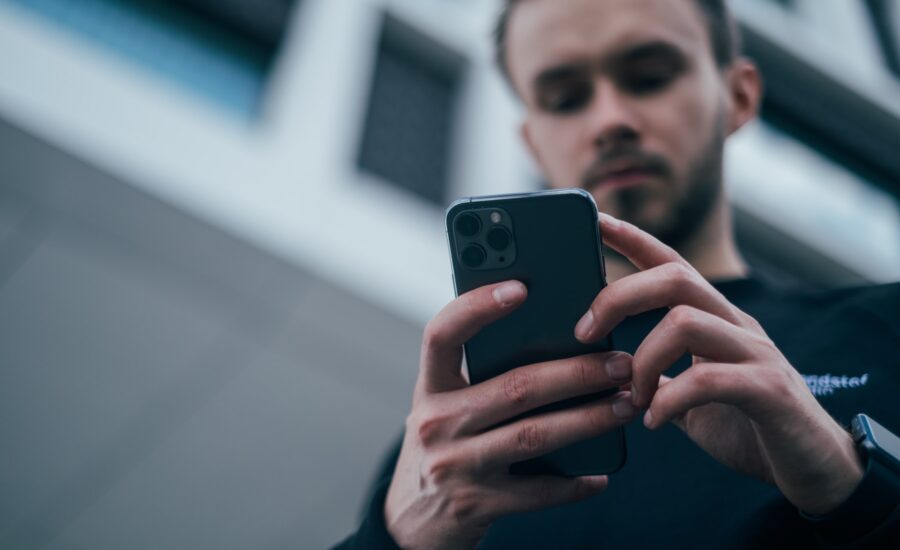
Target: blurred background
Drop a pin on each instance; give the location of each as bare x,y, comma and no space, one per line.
221,233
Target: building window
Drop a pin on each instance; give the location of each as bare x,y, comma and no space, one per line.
222,50
885,16
409,127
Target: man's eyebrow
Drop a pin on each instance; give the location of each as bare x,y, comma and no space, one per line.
558,73
647,49
631,54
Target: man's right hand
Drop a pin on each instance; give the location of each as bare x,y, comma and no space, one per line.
452,478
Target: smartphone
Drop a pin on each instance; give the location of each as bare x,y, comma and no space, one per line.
550,241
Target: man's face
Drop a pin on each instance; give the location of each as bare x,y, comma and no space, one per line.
625,100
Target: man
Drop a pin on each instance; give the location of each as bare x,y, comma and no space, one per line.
632,100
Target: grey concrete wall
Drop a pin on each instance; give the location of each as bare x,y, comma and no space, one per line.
164,385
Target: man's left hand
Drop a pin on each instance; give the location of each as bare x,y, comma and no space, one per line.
740,400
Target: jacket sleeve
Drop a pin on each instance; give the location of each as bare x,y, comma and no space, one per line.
372,532
869,517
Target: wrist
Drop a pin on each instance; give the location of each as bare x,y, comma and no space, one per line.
389,517
845,480
868,515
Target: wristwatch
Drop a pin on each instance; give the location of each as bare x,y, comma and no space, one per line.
874,505
876,443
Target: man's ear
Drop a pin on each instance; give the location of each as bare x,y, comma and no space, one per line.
525,132
745,89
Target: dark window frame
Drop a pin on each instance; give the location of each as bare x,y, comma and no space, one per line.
887,34
414,51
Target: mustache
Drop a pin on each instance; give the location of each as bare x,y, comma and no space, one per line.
634,159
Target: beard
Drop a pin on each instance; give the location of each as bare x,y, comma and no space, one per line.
671,212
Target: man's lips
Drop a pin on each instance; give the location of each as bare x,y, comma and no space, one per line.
621,178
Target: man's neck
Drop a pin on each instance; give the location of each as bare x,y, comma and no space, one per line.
711,250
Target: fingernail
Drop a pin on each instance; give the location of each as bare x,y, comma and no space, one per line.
508,293
609,220
623,408
583,328
648,419
618,367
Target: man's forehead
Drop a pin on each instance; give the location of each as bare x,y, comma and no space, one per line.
546,33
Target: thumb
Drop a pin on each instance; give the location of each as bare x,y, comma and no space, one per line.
460,320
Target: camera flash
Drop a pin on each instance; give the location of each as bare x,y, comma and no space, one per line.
495,217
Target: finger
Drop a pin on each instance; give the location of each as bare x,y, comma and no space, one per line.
700,385
455,324
686,330
525,388
529,493
537,435
678,420
641,248
666,285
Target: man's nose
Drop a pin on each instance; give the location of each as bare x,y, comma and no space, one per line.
613,120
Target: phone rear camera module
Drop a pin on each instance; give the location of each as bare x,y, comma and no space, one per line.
499,238
473,256
468,225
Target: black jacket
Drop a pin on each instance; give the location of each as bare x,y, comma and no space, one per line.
672,494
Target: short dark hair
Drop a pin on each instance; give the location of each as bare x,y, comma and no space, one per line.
725,38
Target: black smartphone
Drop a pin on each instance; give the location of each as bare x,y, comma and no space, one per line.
550,241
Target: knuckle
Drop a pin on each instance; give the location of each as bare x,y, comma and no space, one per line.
588,372
780,381
611,300
430,426
749,321
678,274
428,432
438,469
433,334
517,386
465,505
756,326
708,380
584,372
685,318
530,438
768,346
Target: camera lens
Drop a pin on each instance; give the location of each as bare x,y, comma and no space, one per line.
473,256
498,238
468,224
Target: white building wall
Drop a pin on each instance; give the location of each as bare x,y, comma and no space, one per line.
296,420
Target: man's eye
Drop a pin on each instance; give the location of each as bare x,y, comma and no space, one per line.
647,83
568,100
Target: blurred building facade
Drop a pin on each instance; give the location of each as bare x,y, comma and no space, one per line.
221,232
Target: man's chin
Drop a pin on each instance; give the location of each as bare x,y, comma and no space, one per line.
655,219
630,195
640,207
